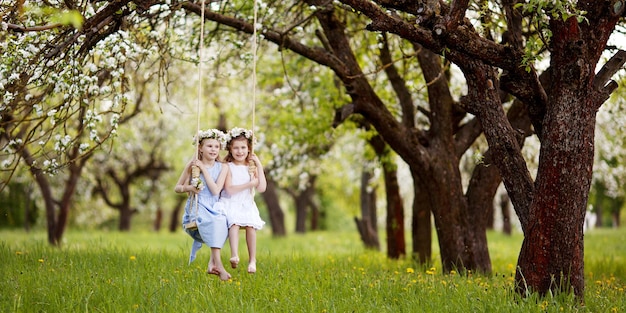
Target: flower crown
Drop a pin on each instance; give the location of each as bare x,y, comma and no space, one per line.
238,131
211,134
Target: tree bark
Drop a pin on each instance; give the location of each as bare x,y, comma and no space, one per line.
367,224
421,222
394,224
175,216
277,217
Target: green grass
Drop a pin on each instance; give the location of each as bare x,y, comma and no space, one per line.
316,272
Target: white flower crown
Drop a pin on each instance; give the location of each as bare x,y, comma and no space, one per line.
238,131
212,134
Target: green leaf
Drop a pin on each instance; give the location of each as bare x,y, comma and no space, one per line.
72,17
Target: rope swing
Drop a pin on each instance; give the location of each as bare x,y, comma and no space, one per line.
195,170
251,166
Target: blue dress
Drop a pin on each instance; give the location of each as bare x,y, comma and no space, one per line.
211,217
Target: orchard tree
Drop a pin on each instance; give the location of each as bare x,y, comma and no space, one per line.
498,47
65,89
431,142
552,207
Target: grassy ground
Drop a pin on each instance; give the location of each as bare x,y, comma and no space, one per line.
317,272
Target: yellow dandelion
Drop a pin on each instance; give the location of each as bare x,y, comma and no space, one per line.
133,258
452,272
410,270
18,252
40,260
136,306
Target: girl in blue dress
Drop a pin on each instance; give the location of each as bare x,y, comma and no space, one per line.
202,206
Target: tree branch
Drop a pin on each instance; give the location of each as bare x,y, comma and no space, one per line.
24,29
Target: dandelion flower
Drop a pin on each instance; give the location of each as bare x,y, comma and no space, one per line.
133,258
410,270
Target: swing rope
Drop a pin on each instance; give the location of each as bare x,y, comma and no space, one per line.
251,166
195,170
254,56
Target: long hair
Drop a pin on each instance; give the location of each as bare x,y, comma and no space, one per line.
229,157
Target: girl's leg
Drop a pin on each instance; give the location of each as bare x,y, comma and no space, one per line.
251,242
217,267
233,239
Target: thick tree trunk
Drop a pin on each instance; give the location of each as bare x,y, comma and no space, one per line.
396,245
277,217
421,222
481,192
450,211
125,218
301,213
394,225
552,254
367,225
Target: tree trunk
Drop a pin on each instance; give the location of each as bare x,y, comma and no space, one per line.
301,213
396,244
158,219
175,216
125,218
552,254
506,214
394,226
277,217
421,223
480,194
367,225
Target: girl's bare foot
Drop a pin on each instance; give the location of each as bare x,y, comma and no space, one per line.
252,268
234,261
212,269
223,274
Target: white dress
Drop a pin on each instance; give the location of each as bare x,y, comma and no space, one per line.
240,207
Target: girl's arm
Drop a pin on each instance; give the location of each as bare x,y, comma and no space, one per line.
183,182
214,186
260,174
233,189
221,179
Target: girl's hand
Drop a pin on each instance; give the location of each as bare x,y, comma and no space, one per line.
254,181
255,158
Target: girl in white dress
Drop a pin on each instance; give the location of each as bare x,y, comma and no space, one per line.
244,176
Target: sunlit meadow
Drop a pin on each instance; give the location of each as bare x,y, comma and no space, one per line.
316,272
